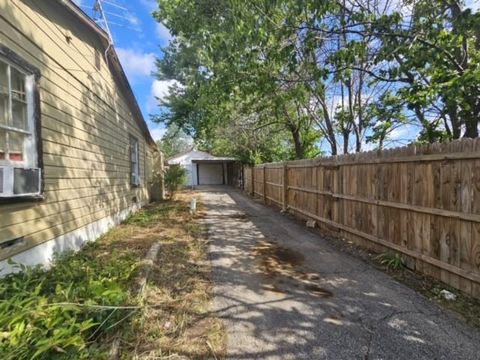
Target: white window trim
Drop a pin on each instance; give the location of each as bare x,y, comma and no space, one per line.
135,167
30,150
30,156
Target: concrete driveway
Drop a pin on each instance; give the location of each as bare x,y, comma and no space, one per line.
285,293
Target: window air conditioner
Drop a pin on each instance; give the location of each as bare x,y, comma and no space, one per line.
20,181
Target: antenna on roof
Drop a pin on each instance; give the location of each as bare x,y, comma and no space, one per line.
103,8
100,18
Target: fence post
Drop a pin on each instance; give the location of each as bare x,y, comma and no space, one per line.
285,187
264,186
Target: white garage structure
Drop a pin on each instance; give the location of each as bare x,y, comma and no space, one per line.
203,168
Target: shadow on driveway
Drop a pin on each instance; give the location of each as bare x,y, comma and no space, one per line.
324,305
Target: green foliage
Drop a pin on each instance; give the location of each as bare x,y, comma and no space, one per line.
385,115
436,57
391,261
292,73
46,314
228,89
175,178
174,142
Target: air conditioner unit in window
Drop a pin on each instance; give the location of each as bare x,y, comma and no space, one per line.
20,181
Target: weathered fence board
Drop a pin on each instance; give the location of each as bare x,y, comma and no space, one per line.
421,201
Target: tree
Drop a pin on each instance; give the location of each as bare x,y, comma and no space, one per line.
348,72
217,73
435,54
174,141
175,178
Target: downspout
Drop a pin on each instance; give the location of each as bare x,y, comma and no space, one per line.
107,27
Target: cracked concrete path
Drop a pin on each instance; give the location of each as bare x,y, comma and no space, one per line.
324,304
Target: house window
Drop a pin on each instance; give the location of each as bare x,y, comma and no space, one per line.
134,162
19,175
98,61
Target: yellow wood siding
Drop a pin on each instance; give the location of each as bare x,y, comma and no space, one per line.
86,123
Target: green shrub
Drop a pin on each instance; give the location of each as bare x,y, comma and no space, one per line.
175,178
391,261
48,314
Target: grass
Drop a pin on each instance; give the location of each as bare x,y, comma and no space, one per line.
391,261
177,320
74,310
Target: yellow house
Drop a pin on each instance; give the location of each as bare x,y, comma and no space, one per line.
76,156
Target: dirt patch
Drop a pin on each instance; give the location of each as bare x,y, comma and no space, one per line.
276,259
288,256
284,271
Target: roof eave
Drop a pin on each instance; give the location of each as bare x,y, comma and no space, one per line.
77,11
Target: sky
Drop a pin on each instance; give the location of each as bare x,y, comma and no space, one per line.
138,39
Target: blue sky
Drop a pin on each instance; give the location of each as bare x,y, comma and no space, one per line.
137,38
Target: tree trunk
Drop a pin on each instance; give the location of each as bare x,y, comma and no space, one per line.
454,121
462,57
299,148
360,127
471,124
328,123
471,130
297,138
346,139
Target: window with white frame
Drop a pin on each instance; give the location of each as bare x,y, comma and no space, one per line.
19,174
134,162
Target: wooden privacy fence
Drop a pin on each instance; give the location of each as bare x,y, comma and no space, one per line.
421,201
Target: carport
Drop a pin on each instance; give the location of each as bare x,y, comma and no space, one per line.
213,171
206,169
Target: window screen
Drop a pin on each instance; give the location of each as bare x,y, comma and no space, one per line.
134,162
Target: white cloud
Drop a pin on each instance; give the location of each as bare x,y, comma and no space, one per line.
162,32
159,91
401,132
78,2
135,63
161,88
401,135
474,5
132,19
158,133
